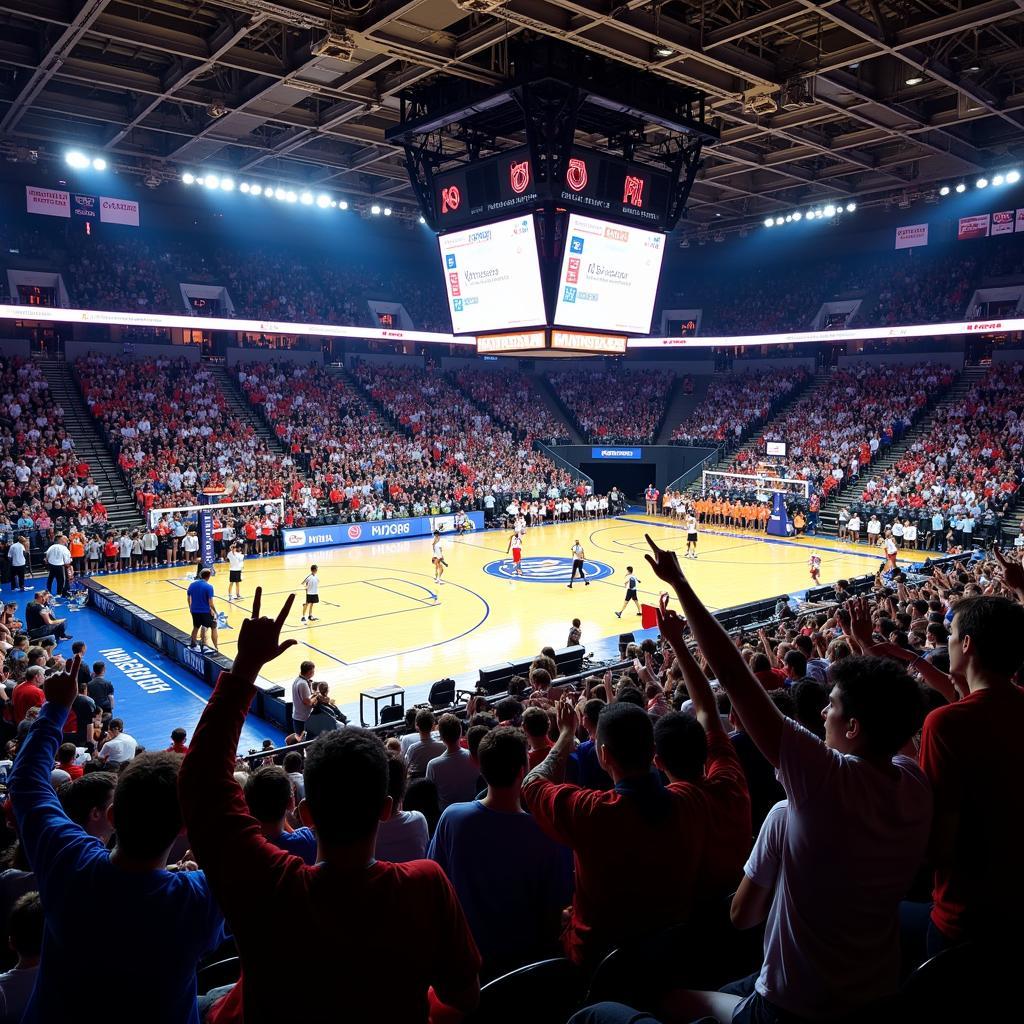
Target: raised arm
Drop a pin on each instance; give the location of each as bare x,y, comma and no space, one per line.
704,704
761,719
1013,572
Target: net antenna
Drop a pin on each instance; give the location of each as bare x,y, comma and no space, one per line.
201,516
763,485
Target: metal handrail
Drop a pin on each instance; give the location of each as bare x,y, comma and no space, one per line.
564,463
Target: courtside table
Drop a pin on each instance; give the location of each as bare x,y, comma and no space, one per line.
392,694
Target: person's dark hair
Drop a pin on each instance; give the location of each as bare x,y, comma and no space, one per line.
425,720
204,574
306,666
938,632
995,626
681,744
783,700
804,643
540,678
592,710
77,647
66,753
346,782
449,729
516,686
475,735
410,718
91,791
760,662
502,755
809,697
796,662
548,652
99,667
25,925
147,817
509,709
422,796
625,730
398,776
631,695
116,723
292,762
178,735
535,722
882,697
267,793
488,721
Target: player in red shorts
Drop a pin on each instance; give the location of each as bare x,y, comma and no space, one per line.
515,545
815,565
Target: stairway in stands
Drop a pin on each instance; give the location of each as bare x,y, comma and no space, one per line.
829,521
238,405
680,404
557,408
91,445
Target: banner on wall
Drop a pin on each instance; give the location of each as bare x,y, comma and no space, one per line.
1020,219
119,211
50,202
1002,222
973,227
84,206
911,235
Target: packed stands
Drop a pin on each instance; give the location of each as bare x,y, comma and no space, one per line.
620,406
511,398
736,403
970,460
837,429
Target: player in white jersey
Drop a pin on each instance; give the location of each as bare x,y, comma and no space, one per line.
515,545
437,557
312,585
236,556
631,593
691,536
814,562
578,558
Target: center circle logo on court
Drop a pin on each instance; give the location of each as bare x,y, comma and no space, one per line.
548,569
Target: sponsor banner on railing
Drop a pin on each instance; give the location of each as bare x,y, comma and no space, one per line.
911,235
973,227
375,530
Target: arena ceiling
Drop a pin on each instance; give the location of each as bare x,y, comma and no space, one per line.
864,99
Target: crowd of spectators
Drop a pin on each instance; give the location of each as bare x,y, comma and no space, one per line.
968,462
717,782
736,403
126,275
834,432
619,405
511,398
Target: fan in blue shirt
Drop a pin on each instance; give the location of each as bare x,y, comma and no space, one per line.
159,922
269,795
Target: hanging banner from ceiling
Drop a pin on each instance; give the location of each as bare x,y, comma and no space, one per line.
50,202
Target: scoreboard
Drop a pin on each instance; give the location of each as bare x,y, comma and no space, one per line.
593,182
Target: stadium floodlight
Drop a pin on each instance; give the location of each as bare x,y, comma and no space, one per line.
306,198
789,218
188,178
423,220
851,206
342,204
797,215
944,191
323,200
279,193
981,183
1012,177
291,197
99,164
998,180
211,181
387,211
961,187
769,222
257,190
244,187
375,210
810,215
227,184
77,159
829,211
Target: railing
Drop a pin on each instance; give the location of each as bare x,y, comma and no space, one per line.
687,478
574,471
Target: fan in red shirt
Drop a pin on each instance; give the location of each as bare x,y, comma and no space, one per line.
696,830
264,890
971,752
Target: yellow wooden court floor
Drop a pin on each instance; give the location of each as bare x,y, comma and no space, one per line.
382,619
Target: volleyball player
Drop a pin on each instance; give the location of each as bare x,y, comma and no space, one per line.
631,593
236,557
312,585
515,545
891,549
814,562
578,558
437,557
691,536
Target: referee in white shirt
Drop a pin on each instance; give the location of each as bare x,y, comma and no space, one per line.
58,558
16,555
